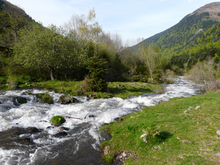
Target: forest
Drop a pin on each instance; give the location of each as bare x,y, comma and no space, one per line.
78,51
81,50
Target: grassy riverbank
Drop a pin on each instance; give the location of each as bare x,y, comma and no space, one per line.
115,89
187,133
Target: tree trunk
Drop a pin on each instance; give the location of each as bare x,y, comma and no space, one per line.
51,74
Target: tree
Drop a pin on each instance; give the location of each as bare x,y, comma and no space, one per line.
151,56
95,81
40,48
84,27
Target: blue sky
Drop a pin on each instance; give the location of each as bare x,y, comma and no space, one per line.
131,19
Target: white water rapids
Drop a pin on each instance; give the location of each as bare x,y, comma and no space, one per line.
81,143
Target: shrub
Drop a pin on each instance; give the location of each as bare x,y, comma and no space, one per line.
57,120
95,81
139,78
94,84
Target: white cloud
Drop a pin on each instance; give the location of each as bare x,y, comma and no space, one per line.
189,1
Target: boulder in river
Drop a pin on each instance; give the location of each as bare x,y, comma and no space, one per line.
45,98
60,134
68,100
21,100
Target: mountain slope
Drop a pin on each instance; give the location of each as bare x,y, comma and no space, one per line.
187,31
12,18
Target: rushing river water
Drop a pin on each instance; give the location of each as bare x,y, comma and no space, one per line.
27,136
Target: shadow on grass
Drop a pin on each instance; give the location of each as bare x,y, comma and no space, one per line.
159,138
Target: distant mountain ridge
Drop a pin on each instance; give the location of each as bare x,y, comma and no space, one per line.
12,18
7,6
187,31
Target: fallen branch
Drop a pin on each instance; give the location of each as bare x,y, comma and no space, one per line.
68,117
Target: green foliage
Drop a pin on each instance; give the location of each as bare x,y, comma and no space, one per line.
182,35
104,144
12,82
12,18
95,81
57,120
139,78
45,98
216,58
109,158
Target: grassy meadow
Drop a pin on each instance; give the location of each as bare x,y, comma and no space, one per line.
187,135
115,89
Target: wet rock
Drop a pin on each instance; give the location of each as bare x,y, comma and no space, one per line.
160,101
45,98
92,96
17,135
50,127
60,134
68,100
19,100
64,129
24,141
91,116
33,130
105,135
117,119
158,91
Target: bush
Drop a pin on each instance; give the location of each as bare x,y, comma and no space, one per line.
139,78
45,98
95,81
57,120
93,84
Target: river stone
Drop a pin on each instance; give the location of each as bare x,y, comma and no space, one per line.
64,129
21,100
60,134
24,141
158,91
117,119
67,100
159,102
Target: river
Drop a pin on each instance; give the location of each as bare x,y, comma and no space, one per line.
28,138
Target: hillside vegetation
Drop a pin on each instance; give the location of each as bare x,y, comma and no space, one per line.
12,18
186,32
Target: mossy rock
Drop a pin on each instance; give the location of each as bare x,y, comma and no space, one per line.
68,100
57,120
45,98
21,100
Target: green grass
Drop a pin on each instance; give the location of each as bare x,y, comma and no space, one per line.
185,138
115,89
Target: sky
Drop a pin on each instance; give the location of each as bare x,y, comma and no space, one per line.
131,19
